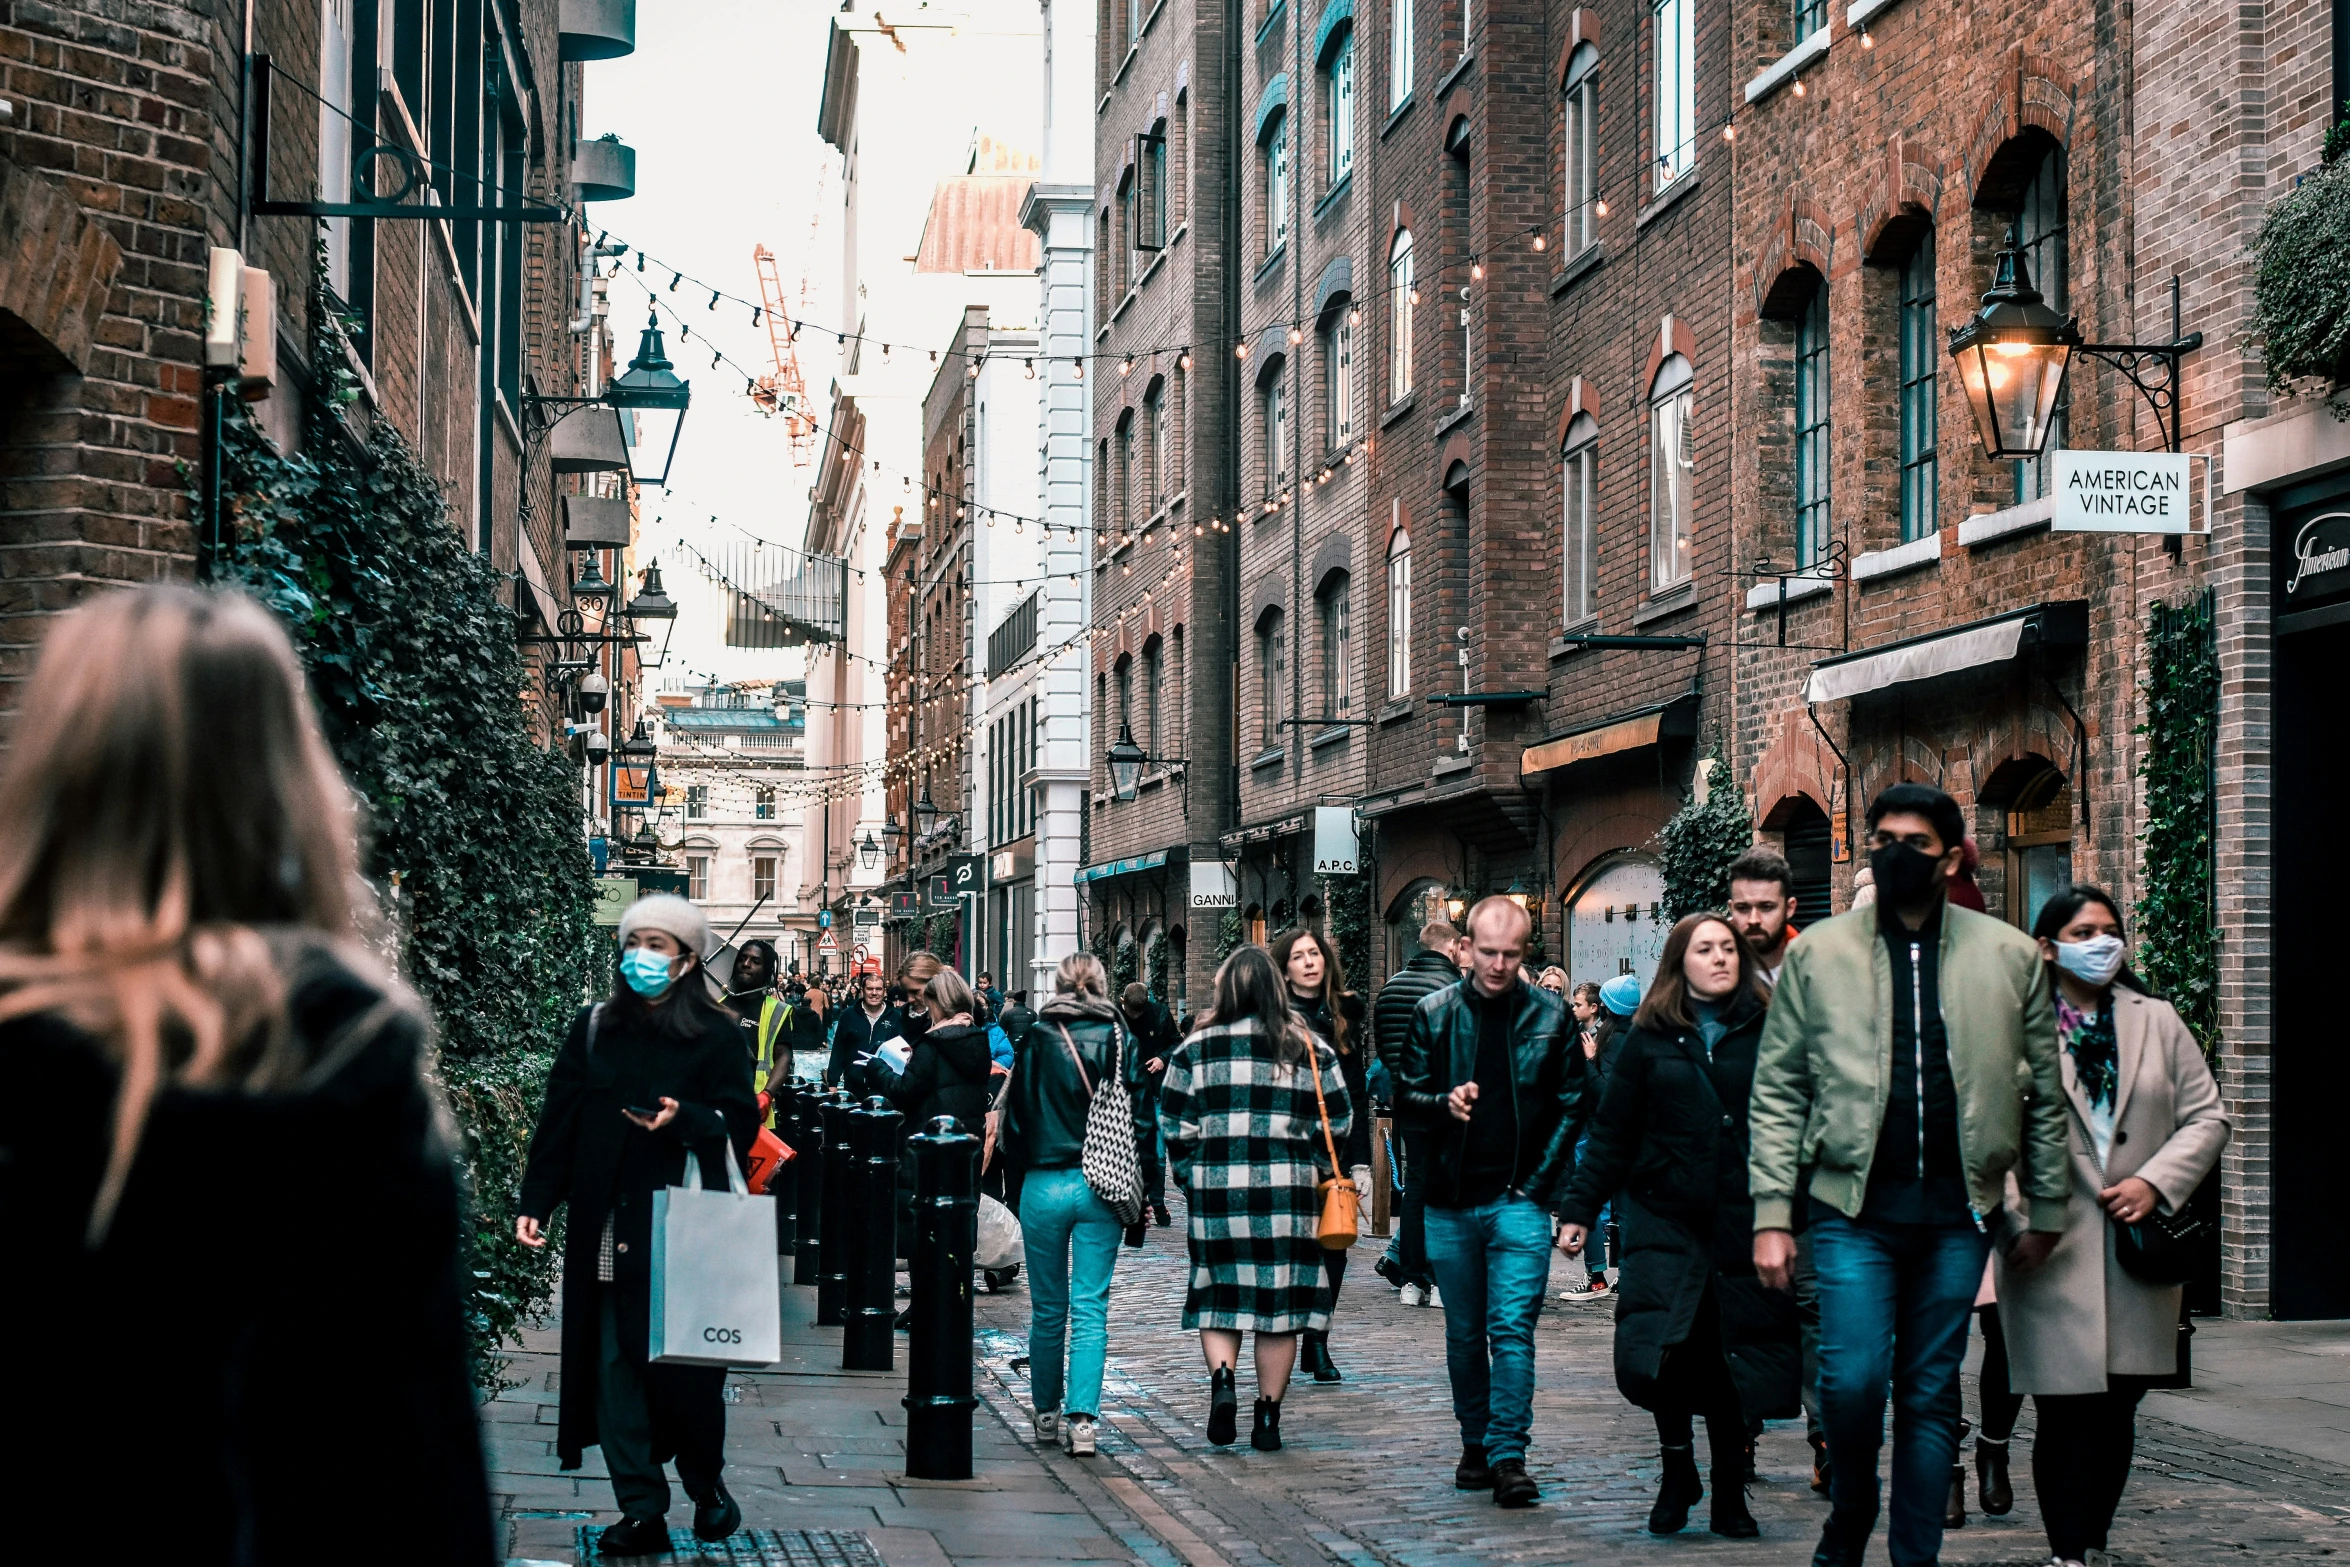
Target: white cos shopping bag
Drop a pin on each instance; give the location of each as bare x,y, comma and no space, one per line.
717,1300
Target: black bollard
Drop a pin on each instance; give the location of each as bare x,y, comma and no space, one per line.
870,1314
938,1344
837,1240
784,1184
807,1261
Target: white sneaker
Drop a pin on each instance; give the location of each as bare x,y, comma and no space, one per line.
1077,1436
1412,1295
1435,1297
1048,1425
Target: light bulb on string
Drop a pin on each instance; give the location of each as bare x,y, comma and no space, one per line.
1541,242
1126,367
1077,368
1476,271
1031,366
1183,360
1599,206
1867,42
1799,87
1296,336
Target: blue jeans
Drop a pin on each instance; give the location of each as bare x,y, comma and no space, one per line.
1491,1262
1895,1300
1071,1238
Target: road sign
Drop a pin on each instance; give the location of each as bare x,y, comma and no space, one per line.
824,919
828,942
862,953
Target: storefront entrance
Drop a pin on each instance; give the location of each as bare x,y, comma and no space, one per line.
1618,925
2312,757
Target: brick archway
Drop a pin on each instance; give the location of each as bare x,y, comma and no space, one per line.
60,272
1795,762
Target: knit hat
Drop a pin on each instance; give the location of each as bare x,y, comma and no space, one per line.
1621,995
671,915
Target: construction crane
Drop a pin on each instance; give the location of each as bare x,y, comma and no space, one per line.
785,392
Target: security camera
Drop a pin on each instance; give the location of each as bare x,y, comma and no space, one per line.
1462,632
592,691
599,746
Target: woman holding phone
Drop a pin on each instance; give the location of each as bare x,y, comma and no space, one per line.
653,1074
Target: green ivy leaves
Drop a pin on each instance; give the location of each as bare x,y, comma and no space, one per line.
2301,286
2178,936
1696,846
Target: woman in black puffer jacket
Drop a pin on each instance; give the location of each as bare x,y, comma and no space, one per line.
1696,1332
946,1073
1320,1000
1075,1049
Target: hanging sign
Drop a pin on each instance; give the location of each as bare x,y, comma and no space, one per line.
2122,492
613,896
1335,846
1213,885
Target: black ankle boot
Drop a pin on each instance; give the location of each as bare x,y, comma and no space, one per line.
1680,1491
1991,1482
1316,1349
1954,1506
1265,1435
634,1537
1223,1408
717,1515
1731,1520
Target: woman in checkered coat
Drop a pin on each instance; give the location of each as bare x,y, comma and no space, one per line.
1247,1145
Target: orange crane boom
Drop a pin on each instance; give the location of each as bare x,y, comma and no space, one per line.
785,392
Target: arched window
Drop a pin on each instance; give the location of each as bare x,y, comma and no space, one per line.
1921,362
1336,609
1399,612
1338,374
1277,183
1125,519
1811,427
1672,470
1338,111
1154,451
1272,679
1399,53
2040,222
1579,484
1154,662
1276,417
1582,136
1403,300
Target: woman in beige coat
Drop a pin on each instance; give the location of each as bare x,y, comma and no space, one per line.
2085,1337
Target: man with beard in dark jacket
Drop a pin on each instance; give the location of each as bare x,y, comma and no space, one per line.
1427,971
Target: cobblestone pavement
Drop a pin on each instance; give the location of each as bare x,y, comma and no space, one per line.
1365,1474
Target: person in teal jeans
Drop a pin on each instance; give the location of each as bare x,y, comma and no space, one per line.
1075,1049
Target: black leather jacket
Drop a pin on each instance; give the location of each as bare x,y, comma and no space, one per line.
1547,1076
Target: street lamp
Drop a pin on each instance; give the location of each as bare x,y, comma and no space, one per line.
869,852
925,813
591,583
1125,760
652,402
2012,358
2015,353
650,602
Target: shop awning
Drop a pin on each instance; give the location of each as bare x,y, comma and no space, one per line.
2064,623
1676,719
1128,866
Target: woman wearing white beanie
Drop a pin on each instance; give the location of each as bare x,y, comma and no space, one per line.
652,1074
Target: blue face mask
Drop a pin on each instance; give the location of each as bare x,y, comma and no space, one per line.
646,971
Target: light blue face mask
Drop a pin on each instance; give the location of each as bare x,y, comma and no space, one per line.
646,971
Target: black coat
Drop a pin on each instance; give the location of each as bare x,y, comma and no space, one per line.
1047,1101
1391,1014
946,1075
278,1295
1547,1079
1669,1143
587,1156
856,1035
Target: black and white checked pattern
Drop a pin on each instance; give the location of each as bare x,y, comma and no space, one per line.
1245,1140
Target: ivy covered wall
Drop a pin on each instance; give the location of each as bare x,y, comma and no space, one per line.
475,835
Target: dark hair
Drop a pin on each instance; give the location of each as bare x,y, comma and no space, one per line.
1917,799
1251,989
1334,989
1587,991
686,1010
1763,863
2067,901
760,944
1667,1003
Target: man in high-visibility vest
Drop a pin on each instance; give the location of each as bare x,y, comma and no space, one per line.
751,997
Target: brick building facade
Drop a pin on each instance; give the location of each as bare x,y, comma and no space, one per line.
129,153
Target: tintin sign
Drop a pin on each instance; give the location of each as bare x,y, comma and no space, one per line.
2122,492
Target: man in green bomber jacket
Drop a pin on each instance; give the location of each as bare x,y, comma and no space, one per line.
1908,1066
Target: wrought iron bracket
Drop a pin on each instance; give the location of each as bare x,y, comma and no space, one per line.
2153,368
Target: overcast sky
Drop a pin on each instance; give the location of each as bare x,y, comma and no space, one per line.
719,102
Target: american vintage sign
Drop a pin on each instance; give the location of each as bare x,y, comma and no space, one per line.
2320,563
2122,492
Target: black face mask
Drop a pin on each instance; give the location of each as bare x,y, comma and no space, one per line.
1905,875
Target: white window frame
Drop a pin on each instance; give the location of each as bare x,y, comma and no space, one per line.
1672,475
1580,160
1277,183
1401,310
765,869
1399,611
1399,53
1337,650
697,877
1338,358
1276,406
1339,92
1674,42
1579,531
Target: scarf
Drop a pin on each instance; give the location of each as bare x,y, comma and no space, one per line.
2089,1036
